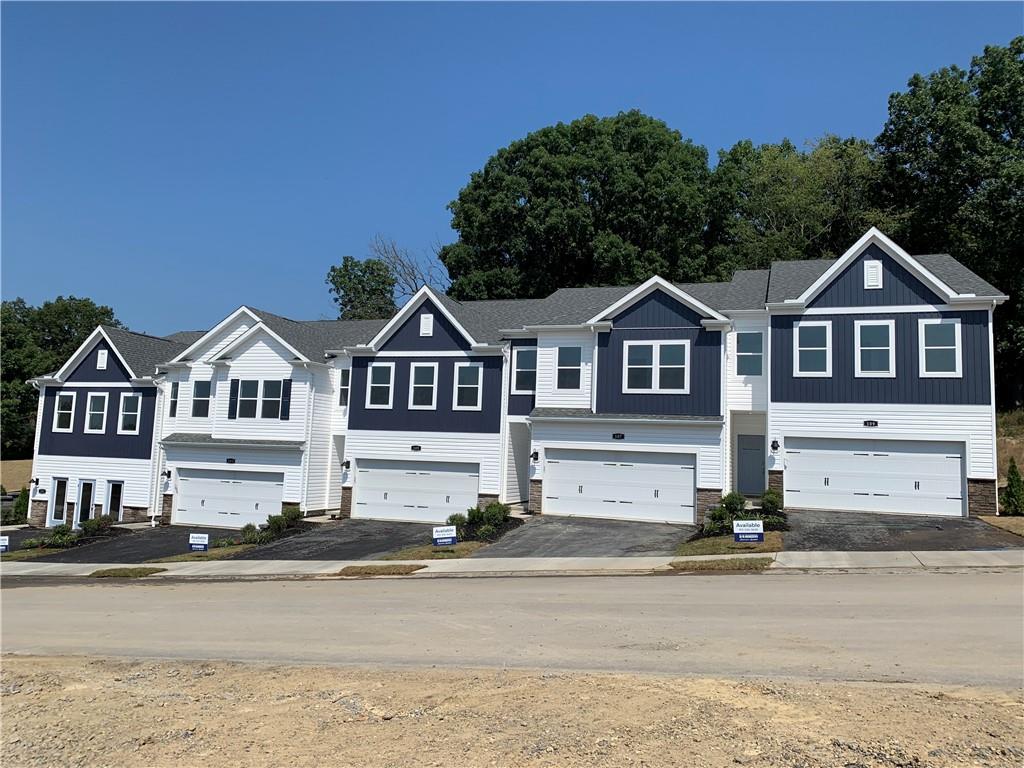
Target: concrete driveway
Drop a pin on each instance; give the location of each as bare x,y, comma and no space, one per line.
812,530
550,536
344,540
137,546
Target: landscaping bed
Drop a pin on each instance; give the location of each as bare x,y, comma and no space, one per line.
430,552
725,545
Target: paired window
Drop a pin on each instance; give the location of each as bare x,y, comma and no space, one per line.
265,399
201,391
875,348
812,349
101,360
130,414
380,385
64,412
344,382
468,395
270,407
656,367
423,386
96,413
524,370
940,348
749,353
172,409
248,398
569,368
115,498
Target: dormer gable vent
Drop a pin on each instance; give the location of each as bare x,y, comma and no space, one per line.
872,274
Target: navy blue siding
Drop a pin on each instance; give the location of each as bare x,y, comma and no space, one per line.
899,287
519,405
844,387
659,316
86,370
444,419
407,338
109,444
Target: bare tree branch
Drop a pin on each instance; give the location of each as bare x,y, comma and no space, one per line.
411,272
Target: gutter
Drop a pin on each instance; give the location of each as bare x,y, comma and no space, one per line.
618,420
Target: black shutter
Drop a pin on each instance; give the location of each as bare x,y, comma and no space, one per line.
233,400
286,399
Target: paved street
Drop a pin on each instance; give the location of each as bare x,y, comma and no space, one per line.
950,627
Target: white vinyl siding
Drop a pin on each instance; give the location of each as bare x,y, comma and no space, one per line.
319,449
286,461
517,463
746,393
134,473
547,349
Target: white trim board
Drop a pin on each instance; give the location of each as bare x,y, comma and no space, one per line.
647,288
83,350
424,293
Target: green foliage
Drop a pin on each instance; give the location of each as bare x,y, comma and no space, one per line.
291,514
486,532
60,537
276,525
771,502
363,290
34,543
96,526
496,514
481,524
734,504
249,533
224,542
459,520
1012,498
18,512
718,521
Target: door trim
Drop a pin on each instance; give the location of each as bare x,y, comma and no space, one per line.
78,502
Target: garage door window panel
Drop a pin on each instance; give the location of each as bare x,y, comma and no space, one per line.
423,387
468,395
812,349
656,367
941,348
380,388
875,348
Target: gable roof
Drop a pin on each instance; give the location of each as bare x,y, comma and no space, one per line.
958,277
141,352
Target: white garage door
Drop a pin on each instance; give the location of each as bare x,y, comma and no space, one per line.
896,476
416,491
227,499
655,487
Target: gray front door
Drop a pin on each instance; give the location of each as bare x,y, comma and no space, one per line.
750,464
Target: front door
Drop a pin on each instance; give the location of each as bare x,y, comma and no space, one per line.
750,464
85,494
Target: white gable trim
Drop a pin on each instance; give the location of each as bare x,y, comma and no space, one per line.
874,236
214,332
655,284
255,330
424,293
84,349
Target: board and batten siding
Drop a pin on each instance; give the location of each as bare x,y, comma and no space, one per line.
107,444
115,372
968,424
899,286
547,355
445,337
134,473
747,393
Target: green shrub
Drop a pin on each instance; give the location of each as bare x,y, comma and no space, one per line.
475,517
734,504
33,543
97,526
496,514
775,523
771,502
249,533
3,491
291,514
18,512
224,542
1012,497
459,520
61,530
486,533
718,521
276,525
262,537
61,536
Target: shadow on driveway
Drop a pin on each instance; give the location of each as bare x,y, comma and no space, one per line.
344,540
588,537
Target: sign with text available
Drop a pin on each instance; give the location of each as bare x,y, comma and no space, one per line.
199,542
445,535
5,543
747,530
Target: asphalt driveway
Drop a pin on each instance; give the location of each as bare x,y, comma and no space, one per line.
812,530
550,536
344,540
135,547
15,536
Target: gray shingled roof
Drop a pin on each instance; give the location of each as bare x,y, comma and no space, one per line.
789,279
313,337
142,352
956,275
586,413
188,338
747,290
197,438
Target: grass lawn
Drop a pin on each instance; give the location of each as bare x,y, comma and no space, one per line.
430,552
214,553
398,569
1014,524
15,474
728,564
27,554
134,572
724,545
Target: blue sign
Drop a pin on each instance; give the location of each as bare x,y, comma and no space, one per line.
747,531
199,542
445,535
747,537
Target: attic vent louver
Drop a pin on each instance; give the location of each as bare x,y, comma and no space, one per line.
872,275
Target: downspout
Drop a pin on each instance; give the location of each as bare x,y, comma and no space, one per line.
309,431
156,453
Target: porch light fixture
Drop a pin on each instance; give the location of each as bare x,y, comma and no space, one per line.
34,481
535,455
346,464
775,445
166,474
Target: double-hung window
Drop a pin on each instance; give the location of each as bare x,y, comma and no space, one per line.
248,398
812,348
380,385
469,380
569,368
64,412
130,417
749,353
524,370
172,409
270,406
423,386
941,348
344,382
656,367
200,399
875,348
96,413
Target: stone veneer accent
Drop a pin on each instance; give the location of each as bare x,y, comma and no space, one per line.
37,513
706,498
486,498
775,481
533,504
166,505
134,514
982,497
345,510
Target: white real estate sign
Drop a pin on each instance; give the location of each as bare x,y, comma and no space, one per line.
748,530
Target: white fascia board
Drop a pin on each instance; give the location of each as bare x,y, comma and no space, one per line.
410,306
876,237
255,331
516,333
984,302
714,421
486,349
581,327
717,325
657,283
84,349
212,333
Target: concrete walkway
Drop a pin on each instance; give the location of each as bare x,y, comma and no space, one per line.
500,566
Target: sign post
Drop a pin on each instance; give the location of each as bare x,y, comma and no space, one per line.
199,542
445,535
747,530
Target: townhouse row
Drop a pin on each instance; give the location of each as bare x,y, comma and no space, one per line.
860,383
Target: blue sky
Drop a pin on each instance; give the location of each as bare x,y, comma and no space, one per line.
178,160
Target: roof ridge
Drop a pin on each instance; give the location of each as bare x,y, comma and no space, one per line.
106,326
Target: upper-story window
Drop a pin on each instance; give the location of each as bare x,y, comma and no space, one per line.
131,414
200,399
270,407
423,386
101,360
96,413
749,353
64,412
248,398
426,325
941,347
172,409
524,370
569,368
875,348
656,367
469,380
380,385
344,382
872,274
812,348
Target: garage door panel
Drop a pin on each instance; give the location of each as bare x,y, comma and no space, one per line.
227,499
414,491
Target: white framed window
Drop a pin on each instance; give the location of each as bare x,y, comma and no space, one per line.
172,408
344,383
749,353
469,387
940,348
380,385
101,360
524,370
656,367
201,392
872,274
115,499
248,398
423,387
569,368
59,504
875,342
812,349
426,325
64,412
270,405
96,413
130,415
